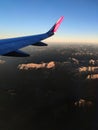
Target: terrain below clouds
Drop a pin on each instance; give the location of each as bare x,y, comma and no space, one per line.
55,88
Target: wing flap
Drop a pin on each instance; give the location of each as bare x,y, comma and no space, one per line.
40,44
17,53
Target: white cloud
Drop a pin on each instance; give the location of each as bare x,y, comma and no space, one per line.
48,65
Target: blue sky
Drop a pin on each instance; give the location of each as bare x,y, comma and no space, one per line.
27,17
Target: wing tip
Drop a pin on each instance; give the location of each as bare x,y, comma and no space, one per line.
56,25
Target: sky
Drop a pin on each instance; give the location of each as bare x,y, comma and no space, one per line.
29,17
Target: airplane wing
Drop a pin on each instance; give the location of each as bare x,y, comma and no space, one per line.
11,46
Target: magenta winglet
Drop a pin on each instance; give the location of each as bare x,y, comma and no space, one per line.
58,23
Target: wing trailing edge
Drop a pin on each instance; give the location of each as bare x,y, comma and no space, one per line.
17,53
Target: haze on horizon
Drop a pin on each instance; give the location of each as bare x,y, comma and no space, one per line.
19,18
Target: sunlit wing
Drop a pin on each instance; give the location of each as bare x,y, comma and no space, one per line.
11,46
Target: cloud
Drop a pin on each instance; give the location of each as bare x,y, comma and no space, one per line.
28,66
89,69
83,103
92,76
74,61
92,62
48,65
2,61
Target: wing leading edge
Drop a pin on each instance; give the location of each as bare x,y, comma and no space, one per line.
11,45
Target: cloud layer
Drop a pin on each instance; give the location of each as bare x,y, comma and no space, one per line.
49,65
